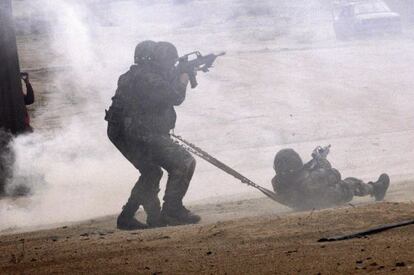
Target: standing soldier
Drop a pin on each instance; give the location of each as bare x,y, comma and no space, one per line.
316,184
139,121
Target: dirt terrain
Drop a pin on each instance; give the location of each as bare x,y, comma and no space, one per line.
284,82
268,244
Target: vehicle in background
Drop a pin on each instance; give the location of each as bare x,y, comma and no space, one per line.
362,18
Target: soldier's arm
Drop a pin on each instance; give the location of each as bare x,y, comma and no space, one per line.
29,97
163,91
314,164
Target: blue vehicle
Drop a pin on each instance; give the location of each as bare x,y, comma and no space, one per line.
361,18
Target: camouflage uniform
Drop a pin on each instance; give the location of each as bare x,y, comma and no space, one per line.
139,121
318,185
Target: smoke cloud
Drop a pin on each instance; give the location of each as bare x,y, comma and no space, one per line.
285,81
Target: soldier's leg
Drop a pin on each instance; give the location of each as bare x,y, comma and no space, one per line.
180,166
179,179
145,193
358,187
376,189
381,187
335,192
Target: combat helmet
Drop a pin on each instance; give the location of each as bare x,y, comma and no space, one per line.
144,51
287,161
165,55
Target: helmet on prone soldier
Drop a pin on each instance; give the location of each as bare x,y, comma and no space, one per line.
165,55
144,51
287,162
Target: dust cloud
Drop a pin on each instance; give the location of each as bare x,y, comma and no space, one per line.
285,81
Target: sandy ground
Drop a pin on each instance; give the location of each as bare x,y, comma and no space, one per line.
267,93
267,244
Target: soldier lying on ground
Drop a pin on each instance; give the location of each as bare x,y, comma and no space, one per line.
316,184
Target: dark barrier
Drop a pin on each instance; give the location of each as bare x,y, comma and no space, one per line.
6,160
12,109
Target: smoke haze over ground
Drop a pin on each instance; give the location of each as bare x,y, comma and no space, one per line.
285,82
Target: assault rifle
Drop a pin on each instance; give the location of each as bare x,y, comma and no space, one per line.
319,155
204,155
320,152
199,63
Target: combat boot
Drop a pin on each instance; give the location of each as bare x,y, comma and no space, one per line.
178,215
152,207
153,211
380,187
155,221
127,221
